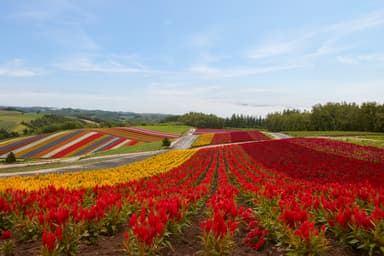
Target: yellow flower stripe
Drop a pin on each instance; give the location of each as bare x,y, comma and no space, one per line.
203,139
88,179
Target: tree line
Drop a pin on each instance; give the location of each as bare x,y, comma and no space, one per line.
201,120
53,123
368,116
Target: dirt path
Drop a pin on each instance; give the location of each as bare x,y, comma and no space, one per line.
279,135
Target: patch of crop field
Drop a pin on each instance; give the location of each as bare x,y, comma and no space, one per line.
330,133
12,120
179,129
140,147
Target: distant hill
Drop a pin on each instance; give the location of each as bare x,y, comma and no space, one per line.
13,121
94,115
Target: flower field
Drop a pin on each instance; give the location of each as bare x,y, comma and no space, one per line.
79,142
220,136
280,197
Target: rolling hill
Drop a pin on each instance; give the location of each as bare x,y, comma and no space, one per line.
79,142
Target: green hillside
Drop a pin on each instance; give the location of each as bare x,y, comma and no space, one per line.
12,120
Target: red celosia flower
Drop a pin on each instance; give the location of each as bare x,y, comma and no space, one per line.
6,234
126,236
49,240
59,233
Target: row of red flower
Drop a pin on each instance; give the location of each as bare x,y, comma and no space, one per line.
296,195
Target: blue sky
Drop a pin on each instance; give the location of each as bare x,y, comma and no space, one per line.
220,57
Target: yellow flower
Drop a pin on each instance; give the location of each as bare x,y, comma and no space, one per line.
88,179
203,139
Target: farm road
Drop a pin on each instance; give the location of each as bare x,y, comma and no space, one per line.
279,135
184,142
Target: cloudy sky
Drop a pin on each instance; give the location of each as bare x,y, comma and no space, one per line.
174,56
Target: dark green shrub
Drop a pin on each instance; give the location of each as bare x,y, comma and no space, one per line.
11,158
166,142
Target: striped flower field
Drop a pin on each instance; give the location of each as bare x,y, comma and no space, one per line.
274,197
79,142
222,136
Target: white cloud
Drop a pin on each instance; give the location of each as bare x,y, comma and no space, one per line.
358,59
16,68
316,42
85,64
47,11
274,49
367,21
213,72
60,21
202,40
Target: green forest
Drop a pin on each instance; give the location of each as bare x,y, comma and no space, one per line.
368,116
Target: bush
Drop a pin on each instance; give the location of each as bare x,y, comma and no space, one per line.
166,142
11,158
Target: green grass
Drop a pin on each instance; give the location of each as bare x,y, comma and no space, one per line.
180,129
330,133
372,137
141,147
11,120
363,142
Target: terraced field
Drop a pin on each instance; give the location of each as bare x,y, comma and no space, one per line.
79,142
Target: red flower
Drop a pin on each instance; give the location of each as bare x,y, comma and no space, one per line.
6,234
49,240
59,233
126,236
133,220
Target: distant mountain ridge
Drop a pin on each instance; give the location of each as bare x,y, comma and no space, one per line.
93,115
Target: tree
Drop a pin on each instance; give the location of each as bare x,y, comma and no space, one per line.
166,142
11,158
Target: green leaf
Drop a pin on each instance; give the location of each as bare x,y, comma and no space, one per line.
353,241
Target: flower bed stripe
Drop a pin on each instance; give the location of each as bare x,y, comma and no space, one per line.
17,144
151,132
75,140
46,149
91,148
37,144
85,145
111,142
112,145
76,144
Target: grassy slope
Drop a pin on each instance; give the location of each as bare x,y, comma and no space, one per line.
375,139
180,129
363,141
11,120
330,133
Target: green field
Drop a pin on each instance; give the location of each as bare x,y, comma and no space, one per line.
11,120
332,133
141,147
374,139
362,141
180,129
